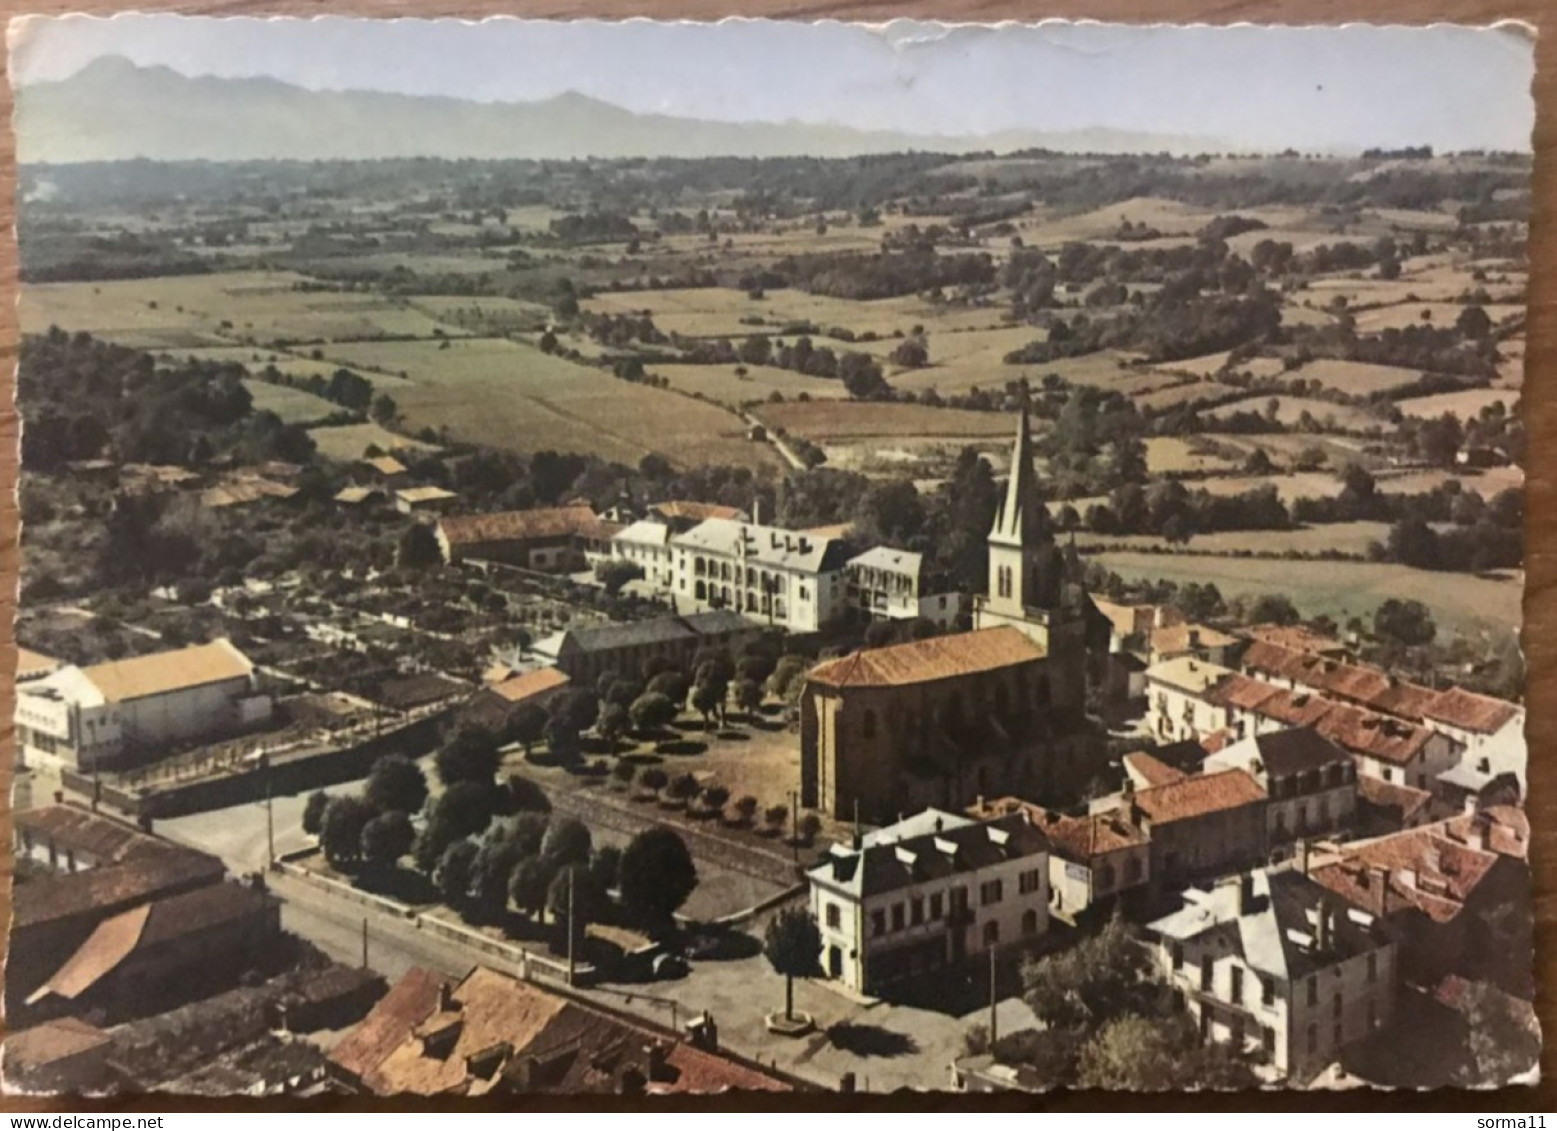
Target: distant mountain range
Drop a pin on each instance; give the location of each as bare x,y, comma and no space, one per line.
114,110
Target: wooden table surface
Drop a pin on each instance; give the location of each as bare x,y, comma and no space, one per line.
1540,637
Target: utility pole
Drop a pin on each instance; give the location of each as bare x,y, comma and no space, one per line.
364,942
571,968
794,823
994,1025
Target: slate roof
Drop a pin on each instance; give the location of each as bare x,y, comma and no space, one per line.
1274,923
890,865
923,661
1285,753
764,545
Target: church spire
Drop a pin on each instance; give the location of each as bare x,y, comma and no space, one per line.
1023,519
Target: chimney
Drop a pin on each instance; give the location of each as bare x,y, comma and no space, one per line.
805,545
1476,834
703,1033
756,511
1302,857
445,997
1245,893
1194,640
656,1059
846,1083
1324,924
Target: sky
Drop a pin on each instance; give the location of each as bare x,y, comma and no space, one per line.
1336,88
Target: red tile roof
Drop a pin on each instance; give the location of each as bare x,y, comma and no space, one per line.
1469,711
1295,637
1153,770
513,526
1390,795
51,1041
1177,639
411,1000
922,661
704,1073
1199,795
694,511
521,687
1425,869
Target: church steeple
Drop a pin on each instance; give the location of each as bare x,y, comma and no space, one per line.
1021,542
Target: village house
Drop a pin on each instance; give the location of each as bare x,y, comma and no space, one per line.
888,584
1272,962
491,1034
625,648
387,471
1094,859
789,580
1447,893
1490,735
1384,807
1180,700
1298,638
108,714
82,869
1310,783
927,894
32,665
425,502
646,544
66,1054
495,703
682,515
544,539
1199,827
1200,641
939,721
359,497
155,955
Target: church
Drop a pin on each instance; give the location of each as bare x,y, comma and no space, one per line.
998,710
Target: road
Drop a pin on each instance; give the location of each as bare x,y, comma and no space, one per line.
779,445
887,1046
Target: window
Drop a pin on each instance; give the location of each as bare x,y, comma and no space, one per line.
1029,882
834,916
989,892
1236,994
916,910
897,916
1313,990
991,933
805,594
1373,968
1267,990
1029,922
1268,1040
1207,971
1176,955
935,907
878,923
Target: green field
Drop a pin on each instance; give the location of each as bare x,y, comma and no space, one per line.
721,382
1340,590
1342,537
863,420
293,406
348,442
189,311
1289,411
508,394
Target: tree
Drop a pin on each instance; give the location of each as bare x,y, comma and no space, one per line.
1159,1053
562,738
748,696
1503,1039
341,835
745,808
623,773
788,677
707,700
656,876
613,722
671,684
524,796
454,870
1102,977
384,410
653,779
652,711
1405,622
774,817
471,755
683,788
525,725
418,548
386,838
614,574
396,783
605,865
793,946
714,799
1273,608
567,841
313,812
464,809
810,827
528,884
588,899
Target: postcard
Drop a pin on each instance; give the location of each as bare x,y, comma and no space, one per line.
650,558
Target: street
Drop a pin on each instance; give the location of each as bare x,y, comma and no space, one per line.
887,1046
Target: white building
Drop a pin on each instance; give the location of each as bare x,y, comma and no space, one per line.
1310,781
788,579
928,893
1272,962
1179,702
646,544
1490,733
888,584
85,718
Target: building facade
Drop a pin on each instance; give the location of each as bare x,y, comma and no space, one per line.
109,714
1272,964
888,584
585,654
928,894
546,539
938,722
789,580
1310,783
